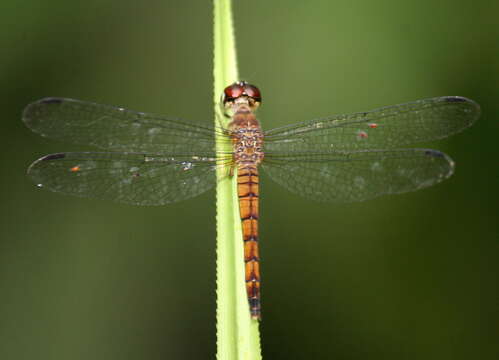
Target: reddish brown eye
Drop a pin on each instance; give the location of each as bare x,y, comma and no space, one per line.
252,91
233,91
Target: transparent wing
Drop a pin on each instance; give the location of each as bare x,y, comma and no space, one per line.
115,128
387,127
360,175
126,177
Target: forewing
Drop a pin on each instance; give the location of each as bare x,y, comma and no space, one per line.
387,127
136,179
115,128
360,175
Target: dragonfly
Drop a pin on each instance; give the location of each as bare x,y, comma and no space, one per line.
157,160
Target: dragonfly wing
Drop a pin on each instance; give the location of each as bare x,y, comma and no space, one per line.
115,128
387,127
360,175
130,178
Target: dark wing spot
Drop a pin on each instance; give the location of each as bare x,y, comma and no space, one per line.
51,100
53,157
455,99
434,153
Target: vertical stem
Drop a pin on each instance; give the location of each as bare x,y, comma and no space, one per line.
237,334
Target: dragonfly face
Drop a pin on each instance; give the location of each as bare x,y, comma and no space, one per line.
156,160
241,93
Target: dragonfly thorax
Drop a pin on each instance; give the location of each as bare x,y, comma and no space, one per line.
247,141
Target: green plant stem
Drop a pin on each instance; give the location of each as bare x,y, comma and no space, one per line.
237,334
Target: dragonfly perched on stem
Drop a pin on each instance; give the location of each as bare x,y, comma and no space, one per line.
156,160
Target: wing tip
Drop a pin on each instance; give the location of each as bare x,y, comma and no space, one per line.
440,155
473,108
31,113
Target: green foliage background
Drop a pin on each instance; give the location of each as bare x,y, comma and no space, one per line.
403,277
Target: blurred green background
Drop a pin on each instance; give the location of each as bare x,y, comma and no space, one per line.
412,276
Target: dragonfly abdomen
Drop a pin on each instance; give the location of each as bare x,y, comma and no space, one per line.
247,188
247,140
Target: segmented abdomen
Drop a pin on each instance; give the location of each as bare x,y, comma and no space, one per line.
247,189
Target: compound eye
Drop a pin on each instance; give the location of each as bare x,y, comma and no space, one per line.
252,91
233,91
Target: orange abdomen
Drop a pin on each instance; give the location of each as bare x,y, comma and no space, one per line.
247,189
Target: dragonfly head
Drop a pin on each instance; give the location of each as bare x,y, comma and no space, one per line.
241,93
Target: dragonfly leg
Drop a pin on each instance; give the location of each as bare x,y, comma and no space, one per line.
222,117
